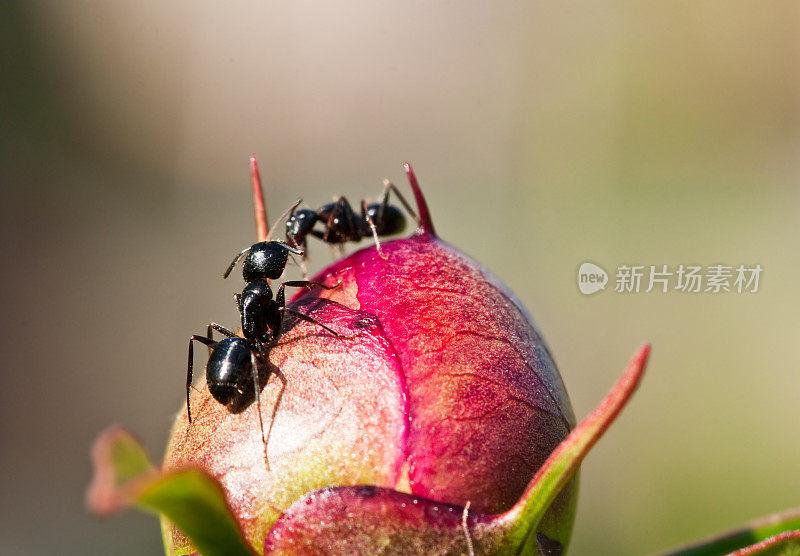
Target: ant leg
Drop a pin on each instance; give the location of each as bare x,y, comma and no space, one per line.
302,265
203,340
329,223
312,320
323,236
235,260
277,403
304,284
254,368
219,328
389,186
353,222
335,251
280,297
372,227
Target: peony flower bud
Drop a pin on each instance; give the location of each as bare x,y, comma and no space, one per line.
432,420
439,386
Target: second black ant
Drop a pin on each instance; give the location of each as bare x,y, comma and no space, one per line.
342,224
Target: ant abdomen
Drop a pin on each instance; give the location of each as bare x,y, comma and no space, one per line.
229,372
389,220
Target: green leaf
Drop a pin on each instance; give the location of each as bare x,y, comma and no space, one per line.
124,476
782,544
775,534
128,459
196,504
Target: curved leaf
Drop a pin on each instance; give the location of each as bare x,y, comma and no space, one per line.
766,529
564,462
784,544
124,476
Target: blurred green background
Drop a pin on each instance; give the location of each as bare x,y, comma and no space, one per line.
543,133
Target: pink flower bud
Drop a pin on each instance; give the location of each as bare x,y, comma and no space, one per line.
438,385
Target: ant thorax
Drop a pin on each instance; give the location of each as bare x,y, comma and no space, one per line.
260,315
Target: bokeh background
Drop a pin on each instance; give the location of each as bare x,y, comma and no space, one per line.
544,134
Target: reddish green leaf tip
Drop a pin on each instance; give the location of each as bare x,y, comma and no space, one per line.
789,540
118,462
262,223
565,460
124,476
425,222
749,536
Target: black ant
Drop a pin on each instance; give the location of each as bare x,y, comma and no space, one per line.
232,372
343,224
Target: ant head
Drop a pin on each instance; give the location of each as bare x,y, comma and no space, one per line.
229,372
266,260
299,224
389,222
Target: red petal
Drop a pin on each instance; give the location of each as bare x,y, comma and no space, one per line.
486,403
341,420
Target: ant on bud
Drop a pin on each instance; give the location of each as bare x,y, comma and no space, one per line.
342,224
232,371
232,364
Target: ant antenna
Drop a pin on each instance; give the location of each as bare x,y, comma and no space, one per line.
258,200
277,404
286,213
337,251
301,264
235,260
